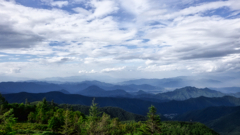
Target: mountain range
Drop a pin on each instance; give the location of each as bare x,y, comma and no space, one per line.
136,106
189,92
41,87
175,82
96,89
178,94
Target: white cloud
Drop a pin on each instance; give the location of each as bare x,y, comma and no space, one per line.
58,60
106,70
14,70
103,8
59,4
87,72
53,3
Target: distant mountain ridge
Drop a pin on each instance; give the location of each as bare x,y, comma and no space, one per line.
178,94
41,87
175,82
189,92
16,87
64,91
95,91
85,88
136,106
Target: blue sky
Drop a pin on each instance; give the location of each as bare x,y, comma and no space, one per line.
119,38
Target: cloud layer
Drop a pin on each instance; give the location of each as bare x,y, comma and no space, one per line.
119,37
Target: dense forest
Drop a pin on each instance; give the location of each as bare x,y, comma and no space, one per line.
47,118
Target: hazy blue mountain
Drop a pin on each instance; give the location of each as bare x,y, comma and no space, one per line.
228,90
78,86
141,92
38,87
182,94
109,90
166,82
236,94
15,87
95,91
135,88
131,105
225,120
64,91
189,92
175,82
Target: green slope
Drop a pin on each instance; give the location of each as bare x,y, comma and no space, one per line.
225,120
227,125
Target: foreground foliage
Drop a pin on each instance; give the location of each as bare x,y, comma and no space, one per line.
46,118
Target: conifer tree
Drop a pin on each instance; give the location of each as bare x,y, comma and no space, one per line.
26,102
153,123
67,127
93,111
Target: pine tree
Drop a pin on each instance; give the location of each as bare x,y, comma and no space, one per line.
153,123
26,102
93,111
52,102
67,127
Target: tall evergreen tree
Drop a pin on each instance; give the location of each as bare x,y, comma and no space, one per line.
93,111
67,127
153,123
26,102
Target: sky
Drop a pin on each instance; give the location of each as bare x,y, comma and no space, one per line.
119,38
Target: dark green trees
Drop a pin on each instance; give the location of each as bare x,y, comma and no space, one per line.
54,124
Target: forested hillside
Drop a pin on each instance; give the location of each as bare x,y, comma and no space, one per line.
224,120
43,118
